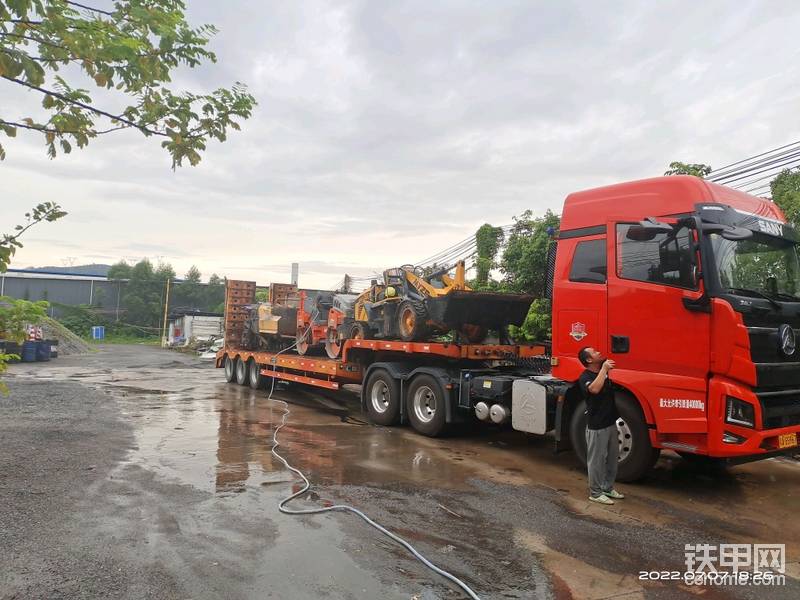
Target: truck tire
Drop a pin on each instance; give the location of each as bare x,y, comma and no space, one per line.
636,455
411,320
382,394
254,376
230,369
241,372
425,403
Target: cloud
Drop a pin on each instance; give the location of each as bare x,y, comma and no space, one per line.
388,131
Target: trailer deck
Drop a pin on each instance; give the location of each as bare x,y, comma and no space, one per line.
330,373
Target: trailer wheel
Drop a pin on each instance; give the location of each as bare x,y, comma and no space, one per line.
255,378
636,454
382,393
241,372
425,404
230,369
411,318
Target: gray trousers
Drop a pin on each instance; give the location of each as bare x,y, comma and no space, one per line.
602,451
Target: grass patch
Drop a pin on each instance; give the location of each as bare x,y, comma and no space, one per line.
127,339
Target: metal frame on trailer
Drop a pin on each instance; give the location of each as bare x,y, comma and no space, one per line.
331,373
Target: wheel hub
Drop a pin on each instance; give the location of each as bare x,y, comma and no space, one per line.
424,404
379,396
625,437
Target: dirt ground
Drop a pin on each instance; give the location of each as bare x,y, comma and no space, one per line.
136,472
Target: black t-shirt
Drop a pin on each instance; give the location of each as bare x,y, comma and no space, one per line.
601,410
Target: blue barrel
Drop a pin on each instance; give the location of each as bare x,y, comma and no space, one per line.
29,351
43,350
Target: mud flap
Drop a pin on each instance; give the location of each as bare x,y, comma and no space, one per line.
565,406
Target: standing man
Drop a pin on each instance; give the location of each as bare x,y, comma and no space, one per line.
602,439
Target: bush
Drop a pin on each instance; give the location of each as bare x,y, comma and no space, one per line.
80,320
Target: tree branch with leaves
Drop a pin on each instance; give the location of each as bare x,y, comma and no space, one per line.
130,52
680,168
46,211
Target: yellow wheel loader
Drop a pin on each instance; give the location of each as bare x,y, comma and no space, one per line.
414,306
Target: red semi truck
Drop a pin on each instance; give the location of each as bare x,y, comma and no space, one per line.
691,287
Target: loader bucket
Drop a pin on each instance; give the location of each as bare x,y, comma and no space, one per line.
491,310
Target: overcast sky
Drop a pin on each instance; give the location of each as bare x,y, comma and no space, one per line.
389,130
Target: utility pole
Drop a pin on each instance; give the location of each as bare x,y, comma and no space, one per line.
119,291
166,309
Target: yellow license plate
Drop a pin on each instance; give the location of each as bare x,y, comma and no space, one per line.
787,440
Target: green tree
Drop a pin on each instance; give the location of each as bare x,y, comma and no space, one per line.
786,194
129,52
15,316
215,294
189,293
697,169
193,275
488,240
143,295
9,243
164,271
524,264
119,270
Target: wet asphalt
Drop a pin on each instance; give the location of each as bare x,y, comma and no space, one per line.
136,472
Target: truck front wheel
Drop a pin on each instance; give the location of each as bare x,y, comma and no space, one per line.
382,395
636,454
426,405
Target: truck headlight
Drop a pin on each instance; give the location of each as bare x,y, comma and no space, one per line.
739,412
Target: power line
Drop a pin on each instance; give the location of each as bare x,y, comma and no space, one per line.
762,167
720,170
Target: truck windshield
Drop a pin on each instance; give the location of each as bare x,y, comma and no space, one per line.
763,264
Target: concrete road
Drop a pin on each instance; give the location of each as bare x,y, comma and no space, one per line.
136,472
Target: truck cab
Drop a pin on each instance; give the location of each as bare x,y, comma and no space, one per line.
693,289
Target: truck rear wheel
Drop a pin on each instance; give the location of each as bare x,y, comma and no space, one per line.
230,369
425,404
241,372
636,455
255,378
382,394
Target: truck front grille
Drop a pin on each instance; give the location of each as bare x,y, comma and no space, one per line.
780,408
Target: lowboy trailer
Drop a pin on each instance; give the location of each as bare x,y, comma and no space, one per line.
692,288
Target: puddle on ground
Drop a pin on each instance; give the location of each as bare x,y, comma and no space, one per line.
193,429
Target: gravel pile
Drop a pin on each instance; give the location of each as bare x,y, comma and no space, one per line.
68,342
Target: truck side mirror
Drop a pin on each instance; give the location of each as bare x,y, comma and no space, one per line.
728,232
736,233
647,230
